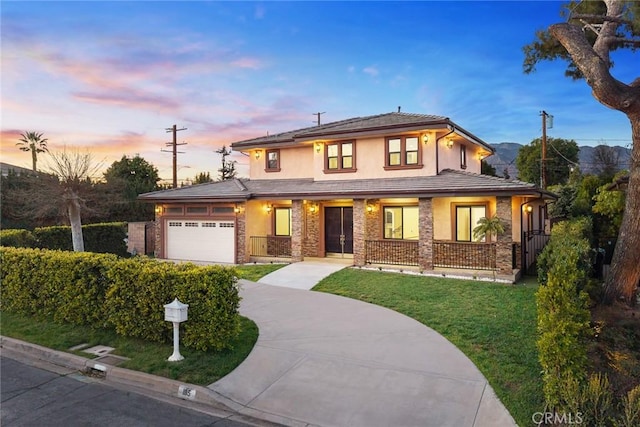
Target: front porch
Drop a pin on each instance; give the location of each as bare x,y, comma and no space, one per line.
369,244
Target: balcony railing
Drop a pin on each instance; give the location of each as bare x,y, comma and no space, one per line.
476,256
395,252
271,246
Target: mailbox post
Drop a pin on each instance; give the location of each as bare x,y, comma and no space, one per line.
175,312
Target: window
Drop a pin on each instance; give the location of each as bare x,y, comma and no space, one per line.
273,161
403,151
467,219
196,209
176,210
222,210
401,222
282,217
340,157
463,157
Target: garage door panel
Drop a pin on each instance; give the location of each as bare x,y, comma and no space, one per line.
201,240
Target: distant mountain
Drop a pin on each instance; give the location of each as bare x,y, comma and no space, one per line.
506,153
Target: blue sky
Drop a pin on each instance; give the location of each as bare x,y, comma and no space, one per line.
109,77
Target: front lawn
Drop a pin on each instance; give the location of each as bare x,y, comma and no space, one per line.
493,324
254,272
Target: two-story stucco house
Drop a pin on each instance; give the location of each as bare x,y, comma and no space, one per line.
396,188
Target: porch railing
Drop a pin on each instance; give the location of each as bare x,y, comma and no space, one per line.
395,252
270,246
476,256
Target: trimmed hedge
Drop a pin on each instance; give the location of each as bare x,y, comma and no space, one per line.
563,316
17,238
102,290
99,238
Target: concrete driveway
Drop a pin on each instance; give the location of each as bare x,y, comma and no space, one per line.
326,360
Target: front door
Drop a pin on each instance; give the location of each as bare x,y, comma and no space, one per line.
338,230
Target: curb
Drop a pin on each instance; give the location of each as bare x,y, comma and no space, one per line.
191,395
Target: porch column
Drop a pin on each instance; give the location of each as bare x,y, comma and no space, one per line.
241,235
504,263
425,244
359,226
297,219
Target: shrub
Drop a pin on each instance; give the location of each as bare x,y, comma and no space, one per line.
563,317
103,290
630,411
99,238
17,238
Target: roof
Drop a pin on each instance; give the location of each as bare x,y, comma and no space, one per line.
6,167
361,125
447,184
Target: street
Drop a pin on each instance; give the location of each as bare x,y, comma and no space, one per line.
32,396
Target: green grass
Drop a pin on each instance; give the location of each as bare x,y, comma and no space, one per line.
255,272
198,367
493,324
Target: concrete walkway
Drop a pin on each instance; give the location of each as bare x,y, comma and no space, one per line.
305,274
326,360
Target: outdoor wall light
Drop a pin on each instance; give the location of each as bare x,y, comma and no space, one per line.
449,143
237,209
369,208
318,147
313,208
425,138
268,208
258,153
158,209
529,208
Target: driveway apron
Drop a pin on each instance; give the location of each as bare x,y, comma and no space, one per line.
326,360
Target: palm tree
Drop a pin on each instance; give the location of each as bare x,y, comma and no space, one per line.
34,142
486,228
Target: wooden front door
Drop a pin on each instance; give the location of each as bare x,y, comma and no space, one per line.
338,230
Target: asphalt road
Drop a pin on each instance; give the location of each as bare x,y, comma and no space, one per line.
31,396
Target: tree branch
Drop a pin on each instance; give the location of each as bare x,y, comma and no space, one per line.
600,18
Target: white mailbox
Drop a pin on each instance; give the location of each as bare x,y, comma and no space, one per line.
175,311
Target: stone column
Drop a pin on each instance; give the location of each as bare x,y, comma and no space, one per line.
297,230
359,227
425,244
241,235
504,243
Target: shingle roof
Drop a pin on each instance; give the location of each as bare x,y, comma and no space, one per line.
447,183
358,124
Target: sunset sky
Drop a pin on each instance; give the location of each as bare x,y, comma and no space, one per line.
110,77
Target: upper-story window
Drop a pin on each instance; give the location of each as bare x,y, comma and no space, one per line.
340,156
463,157
273,161
402,152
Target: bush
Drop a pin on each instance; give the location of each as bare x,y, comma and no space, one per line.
17,238
99,238
103,290
563,317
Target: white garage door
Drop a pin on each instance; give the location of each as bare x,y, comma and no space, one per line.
201,240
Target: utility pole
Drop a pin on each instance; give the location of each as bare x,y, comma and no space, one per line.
543,157
174,144
318,114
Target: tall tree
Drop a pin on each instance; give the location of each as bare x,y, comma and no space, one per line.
228,169
126,179
34,142
591,32
487,169
562,154
74,170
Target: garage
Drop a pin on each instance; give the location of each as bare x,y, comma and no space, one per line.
204,240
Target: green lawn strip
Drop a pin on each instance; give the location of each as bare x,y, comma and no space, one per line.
255,272
198,367
493,324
